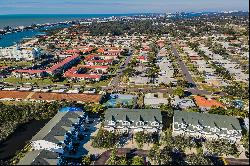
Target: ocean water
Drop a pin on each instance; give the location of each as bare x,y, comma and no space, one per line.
29,19
14,38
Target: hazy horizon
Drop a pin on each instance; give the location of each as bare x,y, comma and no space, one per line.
118,6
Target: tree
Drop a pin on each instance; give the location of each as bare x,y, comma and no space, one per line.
137,160
154,153
86,160
220,147
179,92
166,156
193,110
139,139
98,108
129,71
245,141
168,109
182,83
133,62
123,161
105,139
198,159
56,77
113,159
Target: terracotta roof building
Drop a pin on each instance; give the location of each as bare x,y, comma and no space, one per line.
206,104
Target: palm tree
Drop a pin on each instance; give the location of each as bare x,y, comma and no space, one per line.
137,160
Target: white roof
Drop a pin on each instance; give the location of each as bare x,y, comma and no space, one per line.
46,145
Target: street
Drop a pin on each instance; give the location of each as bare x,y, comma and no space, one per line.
115,81
188,77
184,69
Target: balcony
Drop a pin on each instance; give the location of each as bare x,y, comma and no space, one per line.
126,123
156,124
111,123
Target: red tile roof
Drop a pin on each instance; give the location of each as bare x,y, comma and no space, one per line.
73,51
142,57
90,56
62,63
73,73
101,50
69,97
4,67
203,102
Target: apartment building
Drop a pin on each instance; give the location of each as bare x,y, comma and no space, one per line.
208,126
133,120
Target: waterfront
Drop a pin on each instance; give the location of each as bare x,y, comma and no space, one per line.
15,20
16,37
29,19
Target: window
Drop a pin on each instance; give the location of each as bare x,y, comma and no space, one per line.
112,123
155,123
125,123
140,123
183,125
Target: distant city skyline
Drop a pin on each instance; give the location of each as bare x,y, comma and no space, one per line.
117,6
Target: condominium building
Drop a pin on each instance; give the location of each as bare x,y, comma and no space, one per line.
20,53
133,120
208,126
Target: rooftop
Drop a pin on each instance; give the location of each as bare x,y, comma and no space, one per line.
203,102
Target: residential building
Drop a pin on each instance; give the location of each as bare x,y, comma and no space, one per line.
133,120
246,123
206,104
183,103
20,53
208,126
64,64
29,73
155,99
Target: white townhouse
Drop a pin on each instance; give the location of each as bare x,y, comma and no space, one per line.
208,126
125,120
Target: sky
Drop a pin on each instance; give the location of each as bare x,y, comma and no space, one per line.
117,6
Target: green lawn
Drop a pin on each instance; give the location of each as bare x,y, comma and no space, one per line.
210,89
39,81
13,63
99,84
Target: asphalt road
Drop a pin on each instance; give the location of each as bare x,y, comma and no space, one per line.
115,81
188,77
184,69
232,161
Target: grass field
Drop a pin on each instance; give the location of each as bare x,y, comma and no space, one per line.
14,64
39,81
